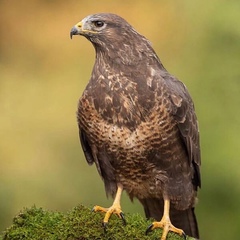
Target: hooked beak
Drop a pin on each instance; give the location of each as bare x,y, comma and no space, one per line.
76,30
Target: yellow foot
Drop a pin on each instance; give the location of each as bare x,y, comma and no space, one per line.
167,226
114,209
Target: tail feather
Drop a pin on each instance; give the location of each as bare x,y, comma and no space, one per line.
185,220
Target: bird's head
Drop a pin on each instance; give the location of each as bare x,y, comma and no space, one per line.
114,36
99,25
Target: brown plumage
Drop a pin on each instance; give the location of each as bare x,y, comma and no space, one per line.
137,123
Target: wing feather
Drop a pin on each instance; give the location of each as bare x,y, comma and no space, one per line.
86,147
184,113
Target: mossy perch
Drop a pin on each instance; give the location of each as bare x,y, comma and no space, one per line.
78,224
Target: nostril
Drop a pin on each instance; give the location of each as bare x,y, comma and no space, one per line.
79,24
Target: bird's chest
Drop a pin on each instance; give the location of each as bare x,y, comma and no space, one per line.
135,143
122,122
117,101
126,142
111,131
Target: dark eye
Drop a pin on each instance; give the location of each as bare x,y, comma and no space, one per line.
98,24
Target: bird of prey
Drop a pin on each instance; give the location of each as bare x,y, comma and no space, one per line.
137,123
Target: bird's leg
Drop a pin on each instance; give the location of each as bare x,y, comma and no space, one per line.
165,223
115,208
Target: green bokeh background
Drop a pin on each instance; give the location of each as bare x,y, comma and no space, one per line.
43,73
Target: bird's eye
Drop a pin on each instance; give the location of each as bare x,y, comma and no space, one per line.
98,24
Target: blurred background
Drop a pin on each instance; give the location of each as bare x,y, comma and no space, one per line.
43,73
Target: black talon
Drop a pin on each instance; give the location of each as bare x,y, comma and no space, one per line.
123,218
149,229
104,224
184,236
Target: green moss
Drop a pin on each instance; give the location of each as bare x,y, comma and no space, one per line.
78,224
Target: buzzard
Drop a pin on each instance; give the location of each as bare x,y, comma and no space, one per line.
137,123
